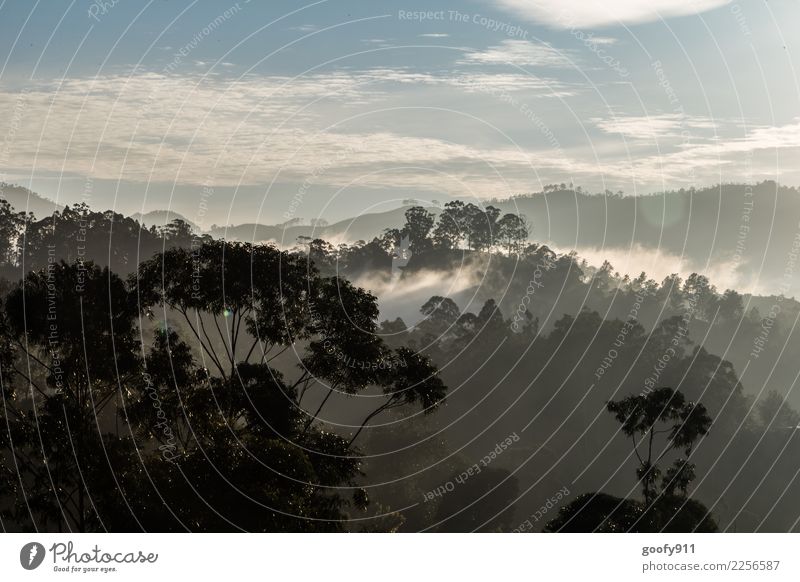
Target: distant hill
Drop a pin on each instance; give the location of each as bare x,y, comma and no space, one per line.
24,200
363,227
740,231
745,231
161,218
734,233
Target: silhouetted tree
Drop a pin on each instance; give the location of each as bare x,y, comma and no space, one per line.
12,224
419,223
70,343
451,226
662,412
244,302
513,232
658,423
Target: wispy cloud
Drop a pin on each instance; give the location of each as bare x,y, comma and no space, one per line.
522,53
191,129
652,127
692,150
499,83
435,35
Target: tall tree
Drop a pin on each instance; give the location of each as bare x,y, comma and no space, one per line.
12,224
249,303
419,223
512,231
658,424
663,412
451,226
481,226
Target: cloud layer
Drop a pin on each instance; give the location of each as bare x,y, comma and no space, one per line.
468,133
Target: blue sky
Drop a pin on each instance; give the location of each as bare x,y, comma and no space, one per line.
263,111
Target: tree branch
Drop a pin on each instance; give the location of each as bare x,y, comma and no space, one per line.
211,353
388,404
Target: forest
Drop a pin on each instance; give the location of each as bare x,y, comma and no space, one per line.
160,379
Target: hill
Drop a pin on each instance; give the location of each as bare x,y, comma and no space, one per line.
745,232
362,227
25,200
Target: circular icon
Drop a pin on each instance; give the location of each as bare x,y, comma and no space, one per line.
31,555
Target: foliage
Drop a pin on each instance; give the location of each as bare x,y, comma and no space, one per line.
201,430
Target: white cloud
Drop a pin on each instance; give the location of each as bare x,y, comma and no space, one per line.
768,137
522,53
706,152
583,14
192,128
435,35
498,84
654,127
256,129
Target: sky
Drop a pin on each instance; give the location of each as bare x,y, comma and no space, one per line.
255,111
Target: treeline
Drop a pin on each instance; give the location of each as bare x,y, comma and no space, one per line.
78,233
110,239
461,225
458,226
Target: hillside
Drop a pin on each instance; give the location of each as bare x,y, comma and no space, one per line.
363,227
743,234
25,200
740,232
740,236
